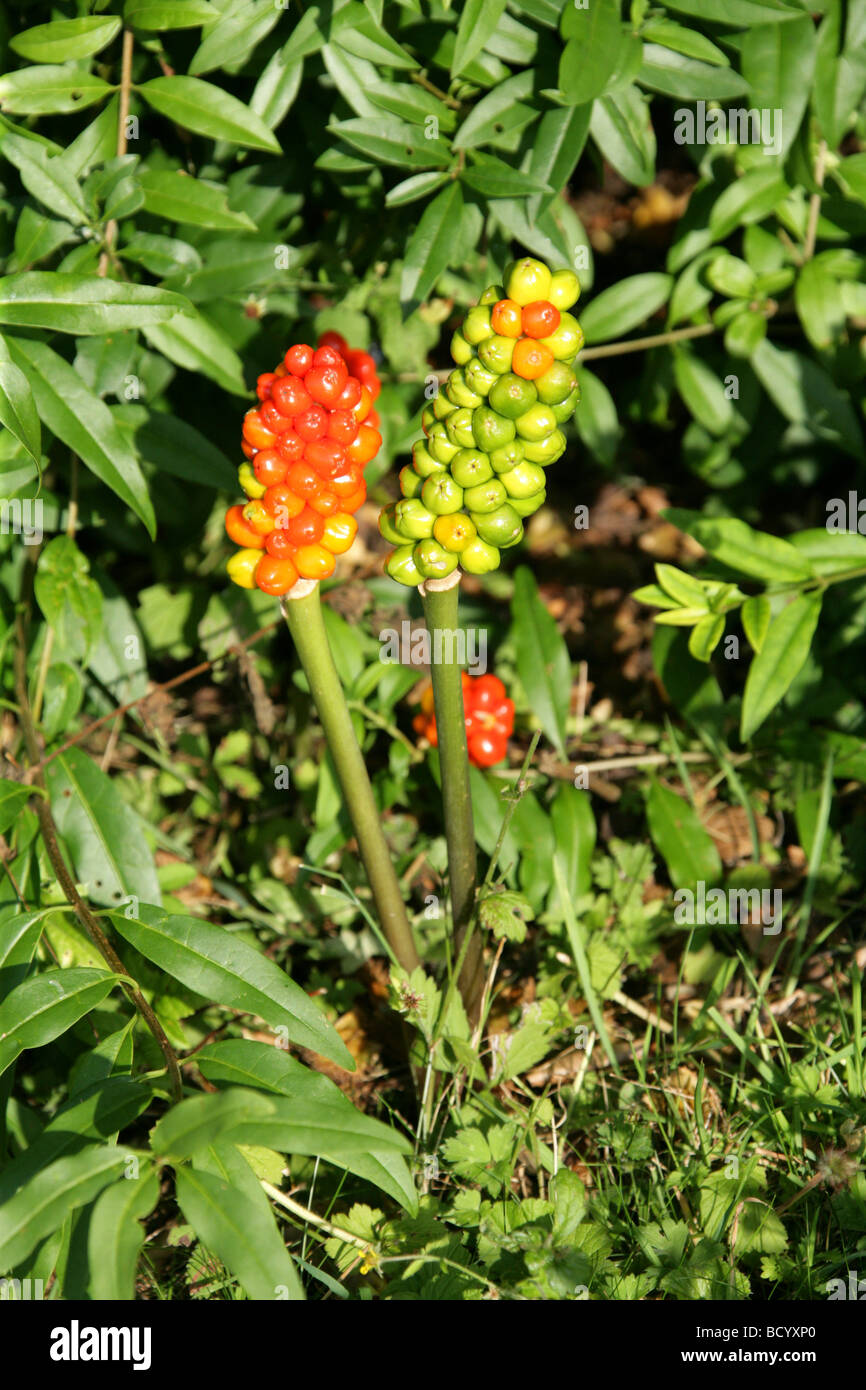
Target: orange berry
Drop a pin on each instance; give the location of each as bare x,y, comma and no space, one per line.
282,504
248,450
506,318
264,384
256,433
325,503
240,531
326,456
373,419
345,484
258,518
304,480
355,499
314,562
343,426
280,546
364,406
272,419
306,528
269,467
275,576
540,318
350,394
364,446
290,446
340,530
291,396
312,423
299,359
531,359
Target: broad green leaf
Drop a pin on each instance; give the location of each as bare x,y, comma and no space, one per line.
19,931
851,173
102,832
229,42
755,614
236,265
50,90
622,129
495,179
161,255
115,1236
36,237
62,1187
83,422
105,363
557,146
702,392
84,304
42,1007
197,344
687,79
278,86
413,104
596,417
734,543
737,14
542,658
706,635
208,110
47,178
840,72
168,14
195,1123
240,1233
500,113
18,413
691,686
832,549
118,664
175,447
625,305
782,656
748,199
820,307
109,1061
70,601
594,36
807,395
415,187
681,587
680,838
66,39
386,140
358,31
180,198
478,20
219,965
682,40
778,63
574,832
488,811
431,244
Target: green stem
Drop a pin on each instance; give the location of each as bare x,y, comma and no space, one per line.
304,617
440,613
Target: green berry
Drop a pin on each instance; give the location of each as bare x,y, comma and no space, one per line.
441,494
548,450
508,456
439,445
556,383
471,467
410,481
441,406
423,461
457,391
476,325
490,429
567,341
564,289
478,557
525,506
433,560
484,497
388,526
400,565
492,294
565,409
461,351
459,427
477,377
523,481
527,281
428,418
496,353
413,519
512,396
537,422
501,527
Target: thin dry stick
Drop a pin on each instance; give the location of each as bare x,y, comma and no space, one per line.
67,883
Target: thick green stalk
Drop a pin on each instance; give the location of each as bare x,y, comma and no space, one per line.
304,617
440,612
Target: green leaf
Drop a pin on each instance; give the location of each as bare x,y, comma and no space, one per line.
594,35
198,345
175,447
820,307
195,1123
360,33
222,967
62,1187
387,140
47,178
18,413
478,21
782,656
115,1236
66,39
415,187
278,86
706,635
625,305
574,832
84,304
495,179
68,597
180,198
431,244
167,14
50,90
19,931
83,422
687,79
557,146
681,840
230,1213
702,392
778,63
807,395
542,658
101,830
229,42
840,73
738,14
755,614
596,417
832,549
42,1007
622,129
748,199
733,543
505,915
499,114
682,40
208,110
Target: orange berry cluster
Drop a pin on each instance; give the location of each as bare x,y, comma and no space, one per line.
488,714
306,445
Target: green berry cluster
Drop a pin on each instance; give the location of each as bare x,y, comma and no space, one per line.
490,433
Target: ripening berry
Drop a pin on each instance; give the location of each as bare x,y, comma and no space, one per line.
269,467
291,396
290,446
343,426
314,562
531,359
506,318
275,576
350,394
264,384
326,503
257,516
325,384
282,503
326,456
365,445
334,340
256,433
312,423
339,532
304,480
299,359
540,318
240,531
305,528
241,568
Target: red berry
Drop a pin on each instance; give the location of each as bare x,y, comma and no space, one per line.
305,528
347,482
256,432
279,545
304,480
342,426
290,396
540,318
269,467
334,340
299,359
485,749
325,384
273,419
350,394
487,692
264,384
281,503
275,576
312,423
326,456
325,503
290,446
329,357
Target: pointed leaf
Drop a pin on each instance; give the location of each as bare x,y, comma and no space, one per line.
782,656
41,1008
